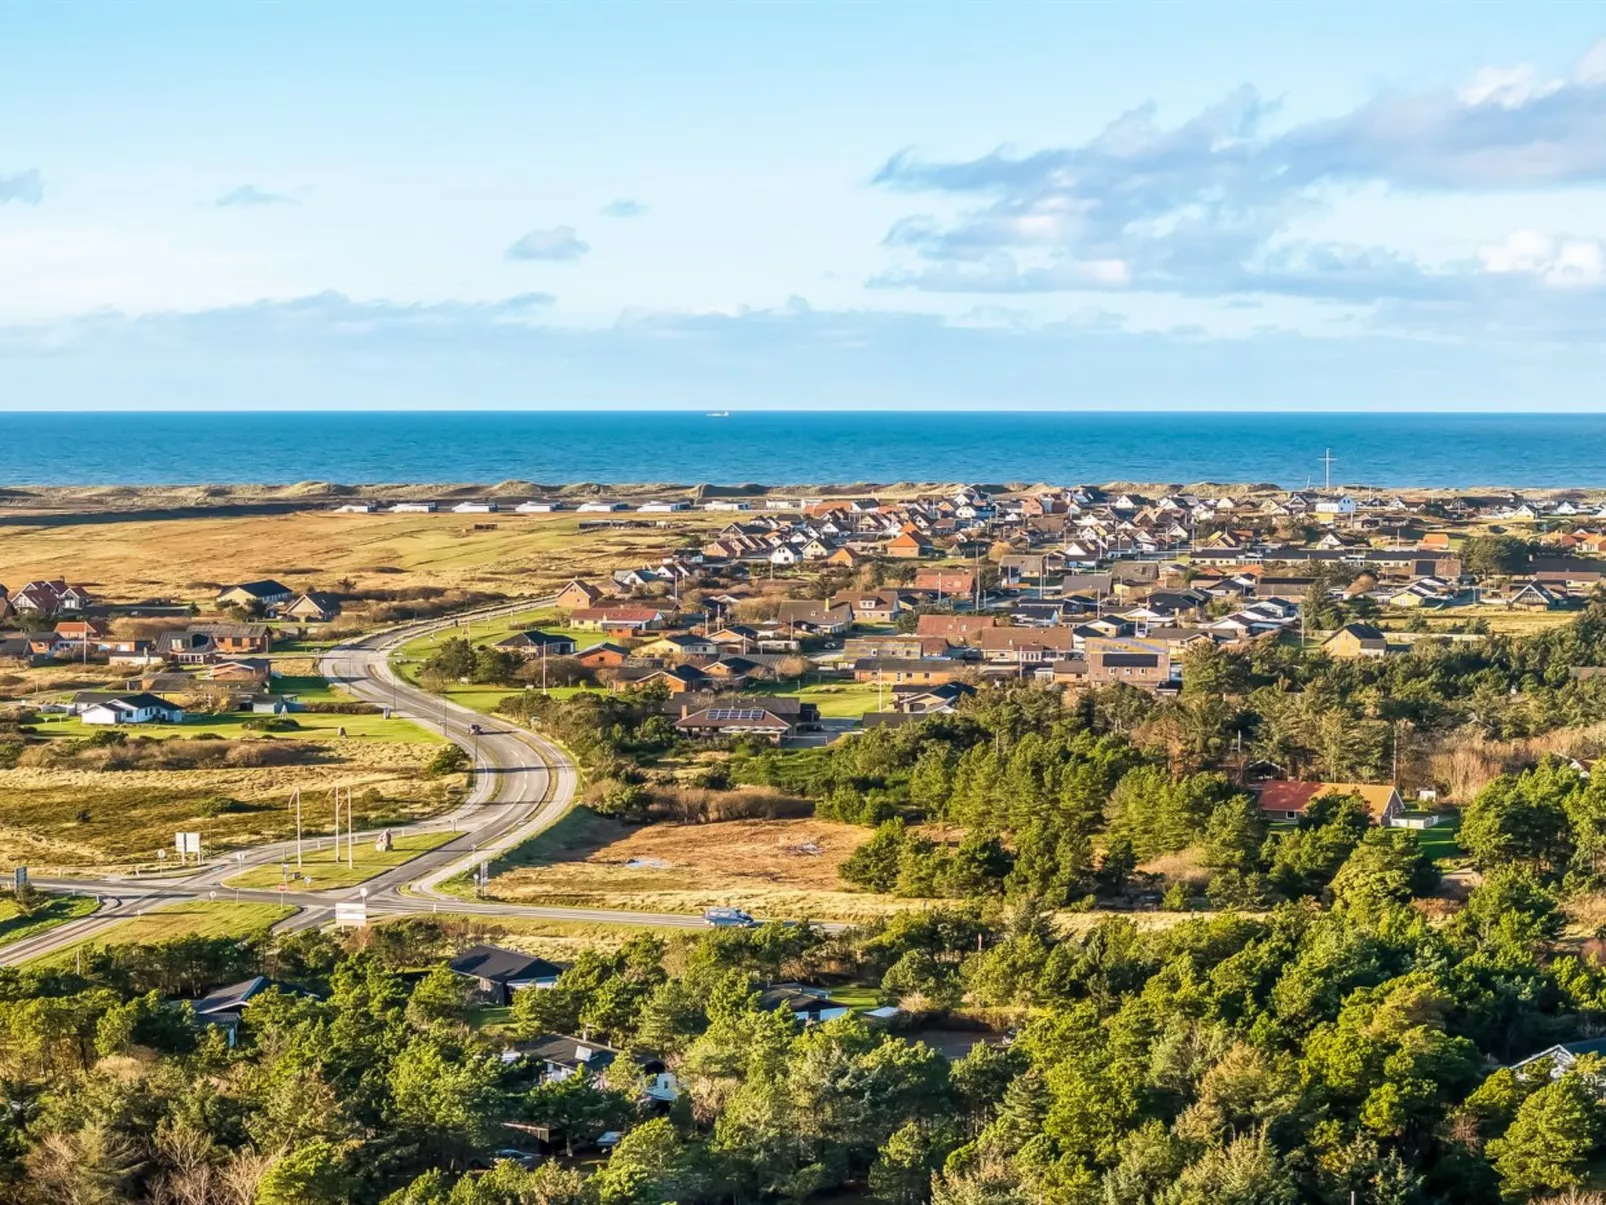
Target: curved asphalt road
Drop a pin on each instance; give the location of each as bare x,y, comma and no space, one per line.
522,784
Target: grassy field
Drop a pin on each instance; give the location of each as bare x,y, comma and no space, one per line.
1442,841
56,910
219,918
775,869
1502,622
120,556
326,874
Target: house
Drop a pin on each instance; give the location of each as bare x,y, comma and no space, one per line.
538,644
1288,800
247,671
577,595
562,1056
1557,1060
679,645
205,642
1144,663
663,506
1026,646
829,619
875,606
1534,596
414,508
909,544
909,648
265,594
101,707
48,599
617,619
744,715
600,508
892,670
474,508
805,1005
315,606
606,655
538,506
945,583
677,679
1356,640
956,629
356,508
498,972
222,1007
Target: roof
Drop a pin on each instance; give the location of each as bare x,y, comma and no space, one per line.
1297,796
501,965
1133,660
735,717
230,998
565,1051
102,698
618,614
266,588
1364,632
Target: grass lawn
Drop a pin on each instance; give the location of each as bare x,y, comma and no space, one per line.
836,700
56,910
211,918
326,874
410,657
858,997
492,1017
1442,841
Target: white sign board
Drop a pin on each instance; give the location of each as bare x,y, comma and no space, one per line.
187,843
352,914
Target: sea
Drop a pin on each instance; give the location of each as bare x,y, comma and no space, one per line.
814,447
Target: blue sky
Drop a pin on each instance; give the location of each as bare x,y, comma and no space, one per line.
1210,206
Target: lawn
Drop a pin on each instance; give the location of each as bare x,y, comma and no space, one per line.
858,997
1442,842
55,910
326,874
210,918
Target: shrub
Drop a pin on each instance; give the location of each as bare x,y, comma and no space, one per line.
450,759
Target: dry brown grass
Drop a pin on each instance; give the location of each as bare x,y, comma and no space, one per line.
53,818
773,868
1470,761
188,558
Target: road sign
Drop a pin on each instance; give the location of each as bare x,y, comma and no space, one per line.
354,914
187,843
19,878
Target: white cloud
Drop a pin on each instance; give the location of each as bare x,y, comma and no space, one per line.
1564,262
27,187
559,245
247,195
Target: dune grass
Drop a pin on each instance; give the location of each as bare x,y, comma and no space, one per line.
202,918
326,874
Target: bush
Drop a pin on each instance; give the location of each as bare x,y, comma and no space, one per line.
450,759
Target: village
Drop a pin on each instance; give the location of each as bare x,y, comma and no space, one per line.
801,620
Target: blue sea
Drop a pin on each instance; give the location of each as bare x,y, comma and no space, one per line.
554,448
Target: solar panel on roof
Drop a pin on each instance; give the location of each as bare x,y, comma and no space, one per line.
736,714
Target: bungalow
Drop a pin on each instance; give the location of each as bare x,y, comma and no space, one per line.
1289,800
222,1008
204,642
264,594
474,508
617,619
563,1057
499,972
315,606
956,629
663,506
414,508
743,715
250,671
677,679
538,644
356,508
606,655
945,583
101,707
1557,1060
830,619
891,670
600,508
805,1005
1356,640
538,506
679,645
1027,646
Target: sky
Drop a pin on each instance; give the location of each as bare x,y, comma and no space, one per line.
1213,206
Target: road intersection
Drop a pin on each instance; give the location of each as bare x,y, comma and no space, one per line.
521,785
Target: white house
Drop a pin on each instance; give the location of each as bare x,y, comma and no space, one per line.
94,707
599,508
1336,506
474,508
662,506
538,506
413,508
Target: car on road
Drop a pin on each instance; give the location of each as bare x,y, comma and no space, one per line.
729,918
475,730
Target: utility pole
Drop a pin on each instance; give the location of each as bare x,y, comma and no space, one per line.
296,799
1327,463
337,826
351,830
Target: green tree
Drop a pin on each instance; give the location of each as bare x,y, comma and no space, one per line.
1552,1137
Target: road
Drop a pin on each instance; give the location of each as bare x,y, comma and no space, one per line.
521,784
